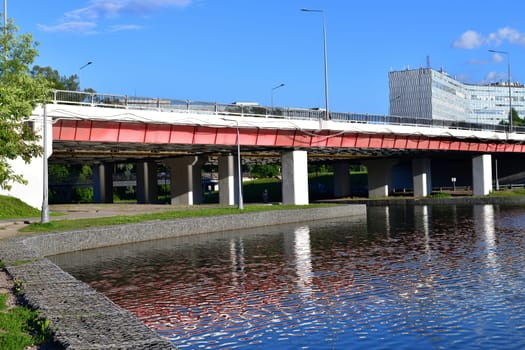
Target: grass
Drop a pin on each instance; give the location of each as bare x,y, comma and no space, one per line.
14,208
67,225
508,193
20,326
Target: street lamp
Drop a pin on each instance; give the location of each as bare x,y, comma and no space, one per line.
508,83
327,112
84,66
44,218
273,89
240,201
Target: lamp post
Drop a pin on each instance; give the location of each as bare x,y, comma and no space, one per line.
240,201
239,170
327,112
508,83
44,218
273,89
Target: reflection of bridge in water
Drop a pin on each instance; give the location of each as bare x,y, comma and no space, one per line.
101,130
233,283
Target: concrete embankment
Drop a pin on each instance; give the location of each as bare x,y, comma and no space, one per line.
517,200
85,319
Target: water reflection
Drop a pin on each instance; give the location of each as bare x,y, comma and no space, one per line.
407,277
303,260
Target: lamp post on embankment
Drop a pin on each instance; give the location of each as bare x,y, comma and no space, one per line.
327,112
240,202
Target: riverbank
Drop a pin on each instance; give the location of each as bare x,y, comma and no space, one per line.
80,317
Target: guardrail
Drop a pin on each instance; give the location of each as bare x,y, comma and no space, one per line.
251,110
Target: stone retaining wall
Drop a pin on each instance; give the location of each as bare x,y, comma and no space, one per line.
85,319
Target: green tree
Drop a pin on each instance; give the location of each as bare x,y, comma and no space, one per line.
57,81
265,170
20,93
516,120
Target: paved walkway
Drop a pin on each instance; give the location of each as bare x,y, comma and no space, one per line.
9,228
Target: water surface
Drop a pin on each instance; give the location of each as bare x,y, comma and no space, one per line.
404,277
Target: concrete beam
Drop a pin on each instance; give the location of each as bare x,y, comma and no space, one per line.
341,179
481,175
227,176
103,183
421,173
379,177
294,165
181,179
198,196
147,183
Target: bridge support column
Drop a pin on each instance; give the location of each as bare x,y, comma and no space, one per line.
183,180
227,175
103,183
294,167
421,177
481,175
341,179
147,183
379,177
198,196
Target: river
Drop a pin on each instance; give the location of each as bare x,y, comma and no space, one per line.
404,277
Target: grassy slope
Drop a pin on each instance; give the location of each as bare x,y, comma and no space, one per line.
14,208
64,225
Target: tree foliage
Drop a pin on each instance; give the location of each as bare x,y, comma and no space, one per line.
57,81
516,120
20,93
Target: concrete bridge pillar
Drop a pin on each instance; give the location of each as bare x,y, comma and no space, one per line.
227,176
294,165
341,179
147,183
421,177
182,178
481,174
379,177
198,196
103,183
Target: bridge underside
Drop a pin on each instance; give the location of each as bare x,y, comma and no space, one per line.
88,141
185,149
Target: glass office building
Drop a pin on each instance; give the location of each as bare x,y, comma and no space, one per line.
430,94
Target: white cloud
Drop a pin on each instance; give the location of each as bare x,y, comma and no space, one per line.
512,36
494,77
108,9
497,58
112,8
123,27
469,40
477,61
473,40
84,27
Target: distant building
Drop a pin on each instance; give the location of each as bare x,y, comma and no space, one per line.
430,94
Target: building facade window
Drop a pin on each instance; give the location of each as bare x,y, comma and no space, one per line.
431,94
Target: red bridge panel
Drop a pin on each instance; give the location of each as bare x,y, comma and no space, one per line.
103,131
156,133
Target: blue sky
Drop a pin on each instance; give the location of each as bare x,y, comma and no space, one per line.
238,50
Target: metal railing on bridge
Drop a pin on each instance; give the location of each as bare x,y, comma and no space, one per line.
255,110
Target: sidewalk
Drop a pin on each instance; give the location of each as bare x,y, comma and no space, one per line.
10,227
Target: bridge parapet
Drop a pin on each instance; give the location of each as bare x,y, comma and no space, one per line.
258,111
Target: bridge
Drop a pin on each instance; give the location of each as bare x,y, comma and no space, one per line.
102,129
